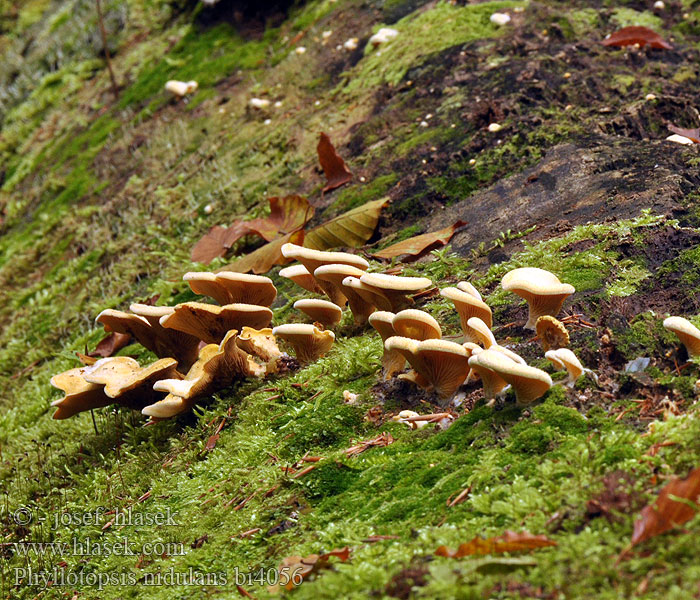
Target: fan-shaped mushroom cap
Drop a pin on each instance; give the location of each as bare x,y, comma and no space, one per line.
416,324
161,342
79,394
313,259
563,358
442,363
392,362
335,276
367,293
542,290
551,333
300,275
210,323
468,288
394,289
687,333
308,341
217,367
486,337
469,305
529,383
260,343
227,287
323,311
492,382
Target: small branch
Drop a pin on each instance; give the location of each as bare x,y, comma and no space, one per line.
103,33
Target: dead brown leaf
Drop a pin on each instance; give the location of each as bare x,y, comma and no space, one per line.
334,167
294,569
419,245
217,241
110,344
265,257
691,134
510,541
352,228
675,505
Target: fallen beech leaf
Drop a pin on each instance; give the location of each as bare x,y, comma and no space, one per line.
265,257
294,569
691,134
287,214
110,344
419,245
352,228
384,439
211,442
85,359
243,592
510,541
333,166
629,36
674,506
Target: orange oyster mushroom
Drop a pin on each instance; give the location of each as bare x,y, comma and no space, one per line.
228,287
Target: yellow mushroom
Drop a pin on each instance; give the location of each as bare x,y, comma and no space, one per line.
308,341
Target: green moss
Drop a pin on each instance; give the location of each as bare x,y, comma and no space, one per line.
357,195
628,278
625,17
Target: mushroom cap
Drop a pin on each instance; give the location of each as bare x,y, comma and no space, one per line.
300,275
687,333
309,341
79,394
564,358
368,293
227,287
259,342
334,275
492,382
391,291
210,323
542,290
416,324
469,305
482,332
551,333
468,288
313,259
336,272
150,313
382,321
323,311
528,382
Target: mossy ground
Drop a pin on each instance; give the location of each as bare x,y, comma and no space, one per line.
102,200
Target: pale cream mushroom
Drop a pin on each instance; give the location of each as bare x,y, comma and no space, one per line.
260,343
488,340
468,305
563,358
79,395
367,293
443,364
392,362
492,382
529,383
313,259
542,290
210,323
416,324
687,333
218,366
227,287
308,341
394,289
299,275
407,414
468,288
335,275
322,311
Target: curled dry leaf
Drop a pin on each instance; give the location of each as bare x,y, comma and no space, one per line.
294,569
287,215
110,344
352,228
692,134
676,504
510,541
629,36
420,245
334,167
265,257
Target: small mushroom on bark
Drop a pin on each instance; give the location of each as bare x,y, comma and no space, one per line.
687,333
563,358
488,340
322,311
335,275
542,290
394,289
228,287
551,333
79,394
210,323
392,362
308,341
299,275
468,305
416,324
